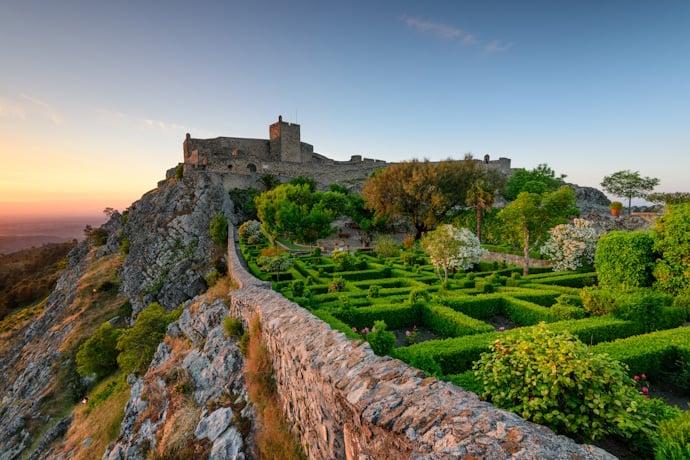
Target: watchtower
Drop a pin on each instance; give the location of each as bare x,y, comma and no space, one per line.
285,142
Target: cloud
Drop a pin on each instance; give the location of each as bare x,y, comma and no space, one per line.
10,109
43,108
497,46
446,32
434,28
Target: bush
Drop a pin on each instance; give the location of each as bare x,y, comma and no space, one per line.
98,354
250,233
386,246
218,229
672,242
381,341
343,261
625,259
138,343
447,322
336,285
673,442
552,379
233,327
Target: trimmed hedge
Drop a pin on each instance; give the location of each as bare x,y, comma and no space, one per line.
447,322
576,280
526,313
481,306
396,316
652,354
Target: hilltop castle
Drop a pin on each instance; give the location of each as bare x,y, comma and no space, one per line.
240,162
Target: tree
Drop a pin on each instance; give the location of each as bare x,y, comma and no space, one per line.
138,344
296,210
423,192
669,198
98,354
218,229
480,199
571,246
628,184
527,220
539,180
672,241
451,248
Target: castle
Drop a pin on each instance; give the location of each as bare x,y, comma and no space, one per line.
241,162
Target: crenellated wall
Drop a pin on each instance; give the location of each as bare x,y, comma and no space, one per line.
347,403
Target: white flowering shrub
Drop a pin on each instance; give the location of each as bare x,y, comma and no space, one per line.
571,246
452,248
250,232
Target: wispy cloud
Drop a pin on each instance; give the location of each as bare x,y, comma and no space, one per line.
43,108
497,46
450,33
10,109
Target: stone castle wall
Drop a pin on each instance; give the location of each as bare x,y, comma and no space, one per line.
345,402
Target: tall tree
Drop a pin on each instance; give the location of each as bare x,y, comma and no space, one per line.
480,199
539,180
528,219
629,184
451,248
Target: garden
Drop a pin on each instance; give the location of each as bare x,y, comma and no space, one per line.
466,326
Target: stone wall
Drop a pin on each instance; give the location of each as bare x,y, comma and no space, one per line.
345,402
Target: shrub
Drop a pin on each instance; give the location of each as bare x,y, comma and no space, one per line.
673,442
218,229
373,291
571,246
250,232
381,340
298,288
124,246
625,259
552,379
386,246
233,327
98,354
673,242
138,343
336,285
343,261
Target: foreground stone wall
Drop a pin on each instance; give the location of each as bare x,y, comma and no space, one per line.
345,402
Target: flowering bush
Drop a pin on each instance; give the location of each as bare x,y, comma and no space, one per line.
381,340
250,232
452,248
571,246
553,379
411,336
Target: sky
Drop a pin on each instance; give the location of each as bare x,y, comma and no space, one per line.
96,96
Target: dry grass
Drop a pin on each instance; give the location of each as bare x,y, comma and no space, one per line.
177,435
273,437
221,290
100,424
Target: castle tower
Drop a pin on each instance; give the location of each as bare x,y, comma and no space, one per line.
285,141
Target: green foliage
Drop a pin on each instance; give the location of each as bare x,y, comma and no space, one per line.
382,341
625,259
450,248
124,246
96,236
336,285
98,354
397,316
179,171
673,442
529,217
672,241
373,291
233,327
412,257
628,184
250,233
138,343
343,261
669,198
553,379
539,180
243,203
386,246
526,313
218,229
447,322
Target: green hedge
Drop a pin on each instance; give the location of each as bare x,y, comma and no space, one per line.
652,354
540,297
396,316
447,322
335,323
526,313
576,280
482,306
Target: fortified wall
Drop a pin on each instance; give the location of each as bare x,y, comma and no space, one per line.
345,402
241,162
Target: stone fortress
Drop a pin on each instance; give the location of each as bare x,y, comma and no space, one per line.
241,162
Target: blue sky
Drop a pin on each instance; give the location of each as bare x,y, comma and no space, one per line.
96,97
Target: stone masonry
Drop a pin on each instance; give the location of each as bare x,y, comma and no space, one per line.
345,402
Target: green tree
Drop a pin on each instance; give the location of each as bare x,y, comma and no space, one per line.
669,198
528,219
629,184
98,354
218,229
451,248
138,344
480,199
539,180
672,241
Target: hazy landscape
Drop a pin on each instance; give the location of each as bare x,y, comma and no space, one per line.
24,232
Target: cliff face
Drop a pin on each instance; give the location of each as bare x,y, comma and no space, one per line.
170,253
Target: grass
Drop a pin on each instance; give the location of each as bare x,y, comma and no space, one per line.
273,438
